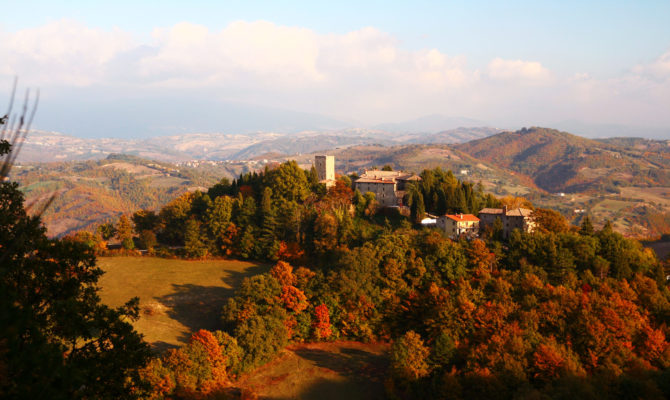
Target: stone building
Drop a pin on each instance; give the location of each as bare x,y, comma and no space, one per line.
388,186
511,219
459,224
325,169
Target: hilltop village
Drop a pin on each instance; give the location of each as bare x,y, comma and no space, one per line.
390,189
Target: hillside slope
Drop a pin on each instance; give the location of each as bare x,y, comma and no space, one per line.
89,193
561,162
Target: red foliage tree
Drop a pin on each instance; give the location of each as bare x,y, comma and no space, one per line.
322,329
283,273
293,298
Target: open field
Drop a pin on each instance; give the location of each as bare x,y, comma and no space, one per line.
322,371
177,297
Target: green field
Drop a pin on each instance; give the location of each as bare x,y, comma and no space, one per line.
177,297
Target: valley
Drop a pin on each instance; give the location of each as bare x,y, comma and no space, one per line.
623,180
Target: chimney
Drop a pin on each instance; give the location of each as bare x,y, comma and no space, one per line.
504,210
461,216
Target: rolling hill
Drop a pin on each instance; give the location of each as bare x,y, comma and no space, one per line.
626,180
560,162
92,192
43,146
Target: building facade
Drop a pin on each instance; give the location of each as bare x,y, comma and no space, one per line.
459,224
511,219
388,186
325,169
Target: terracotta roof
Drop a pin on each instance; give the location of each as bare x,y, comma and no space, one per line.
463,217
512,212
519,212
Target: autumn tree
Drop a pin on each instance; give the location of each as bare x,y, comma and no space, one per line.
409,357
124,231
57,340
322,329
550,221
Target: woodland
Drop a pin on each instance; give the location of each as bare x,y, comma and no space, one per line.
565,311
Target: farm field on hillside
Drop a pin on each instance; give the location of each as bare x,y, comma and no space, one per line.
177,297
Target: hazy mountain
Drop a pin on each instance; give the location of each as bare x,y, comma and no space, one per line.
430,124
148,115
458,135
611,130
45,146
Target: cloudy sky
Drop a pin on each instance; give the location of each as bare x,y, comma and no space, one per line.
126,69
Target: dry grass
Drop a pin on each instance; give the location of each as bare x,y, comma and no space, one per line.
177,297
322,371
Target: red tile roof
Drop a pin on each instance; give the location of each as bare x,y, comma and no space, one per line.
463,217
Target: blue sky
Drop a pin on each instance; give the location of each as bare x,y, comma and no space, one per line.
496,61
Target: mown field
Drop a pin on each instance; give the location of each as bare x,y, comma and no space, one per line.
177,297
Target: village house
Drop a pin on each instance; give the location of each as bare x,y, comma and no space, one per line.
388,186
511,219
459,224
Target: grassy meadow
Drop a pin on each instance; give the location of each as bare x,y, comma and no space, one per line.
177,297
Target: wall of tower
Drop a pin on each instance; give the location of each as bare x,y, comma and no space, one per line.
325,167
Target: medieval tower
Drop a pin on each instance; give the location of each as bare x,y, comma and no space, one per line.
325,167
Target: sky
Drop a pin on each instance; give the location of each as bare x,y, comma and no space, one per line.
130,68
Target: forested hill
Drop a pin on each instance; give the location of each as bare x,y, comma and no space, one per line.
89,193
562,162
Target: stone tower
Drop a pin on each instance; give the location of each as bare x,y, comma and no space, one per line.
325,167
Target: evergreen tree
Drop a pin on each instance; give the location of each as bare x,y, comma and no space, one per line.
268,245
586,227
246,211
417,208
219,215
460,201
193,243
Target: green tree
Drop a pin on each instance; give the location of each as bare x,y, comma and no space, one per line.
417,208
57,340
173,219
107,230
194,246
219,216
145,220
268,245
288,182
586,227
147,240
409,357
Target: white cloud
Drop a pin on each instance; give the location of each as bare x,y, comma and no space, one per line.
659,69
366,74
62,52
519,71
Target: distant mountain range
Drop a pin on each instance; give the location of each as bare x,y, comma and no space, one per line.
44,146
626,180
